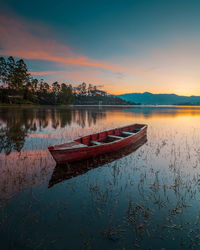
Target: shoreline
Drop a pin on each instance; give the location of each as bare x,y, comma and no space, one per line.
99,106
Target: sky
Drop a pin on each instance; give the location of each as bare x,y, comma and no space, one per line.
124,46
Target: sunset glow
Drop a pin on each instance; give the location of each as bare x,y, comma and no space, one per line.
140,51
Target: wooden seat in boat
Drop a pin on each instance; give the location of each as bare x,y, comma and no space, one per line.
96,142
71,145
127,133
115,136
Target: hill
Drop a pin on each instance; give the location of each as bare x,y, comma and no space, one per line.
160,99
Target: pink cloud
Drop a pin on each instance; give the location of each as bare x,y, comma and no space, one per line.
43,73
18,38
18,41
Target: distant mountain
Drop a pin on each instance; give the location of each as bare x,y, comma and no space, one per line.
160,99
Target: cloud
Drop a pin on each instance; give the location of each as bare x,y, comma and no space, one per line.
17,40
43,73
22,39
75,77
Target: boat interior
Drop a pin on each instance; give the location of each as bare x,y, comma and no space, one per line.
101,137
109,136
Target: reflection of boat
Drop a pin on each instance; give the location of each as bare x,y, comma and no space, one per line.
73,169
96,144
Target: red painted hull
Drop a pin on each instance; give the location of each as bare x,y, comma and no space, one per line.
73,169
76,154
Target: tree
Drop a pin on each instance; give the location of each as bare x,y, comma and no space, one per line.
21,75
83,88
56,87
34,83
66,95
90,89
43,86
14,73
3,70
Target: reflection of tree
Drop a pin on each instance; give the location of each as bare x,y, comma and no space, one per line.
88,116
16,123
12,138
65,117
94,115
60,117
54,119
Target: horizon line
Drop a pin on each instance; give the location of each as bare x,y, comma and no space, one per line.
171,93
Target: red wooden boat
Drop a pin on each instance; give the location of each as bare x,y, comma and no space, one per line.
96,144
76,168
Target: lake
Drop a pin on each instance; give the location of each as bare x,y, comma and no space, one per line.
147,198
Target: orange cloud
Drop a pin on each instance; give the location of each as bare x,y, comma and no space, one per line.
17,40
43,73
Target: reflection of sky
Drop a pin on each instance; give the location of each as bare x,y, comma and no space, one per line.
130,46
162,177
57,125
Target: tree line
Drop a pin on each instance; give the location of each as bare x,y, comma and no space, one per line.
18,86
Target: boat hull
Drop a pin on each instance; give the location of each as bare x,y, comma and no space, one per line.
73,169
78,154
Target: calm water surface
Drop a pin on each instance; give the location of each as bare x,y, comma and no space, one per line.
147,199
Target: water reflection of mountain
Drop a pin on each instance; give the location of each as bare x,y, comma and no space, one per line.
70,170
16,122
165,111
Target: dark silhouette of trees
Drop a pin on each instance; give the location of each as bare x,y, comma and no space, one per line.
14,73
93,95
66,95
55,87
90,90
3,70
18,86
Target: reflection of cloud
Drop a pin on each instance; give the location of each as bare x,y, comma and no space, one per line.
40,136
22,170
